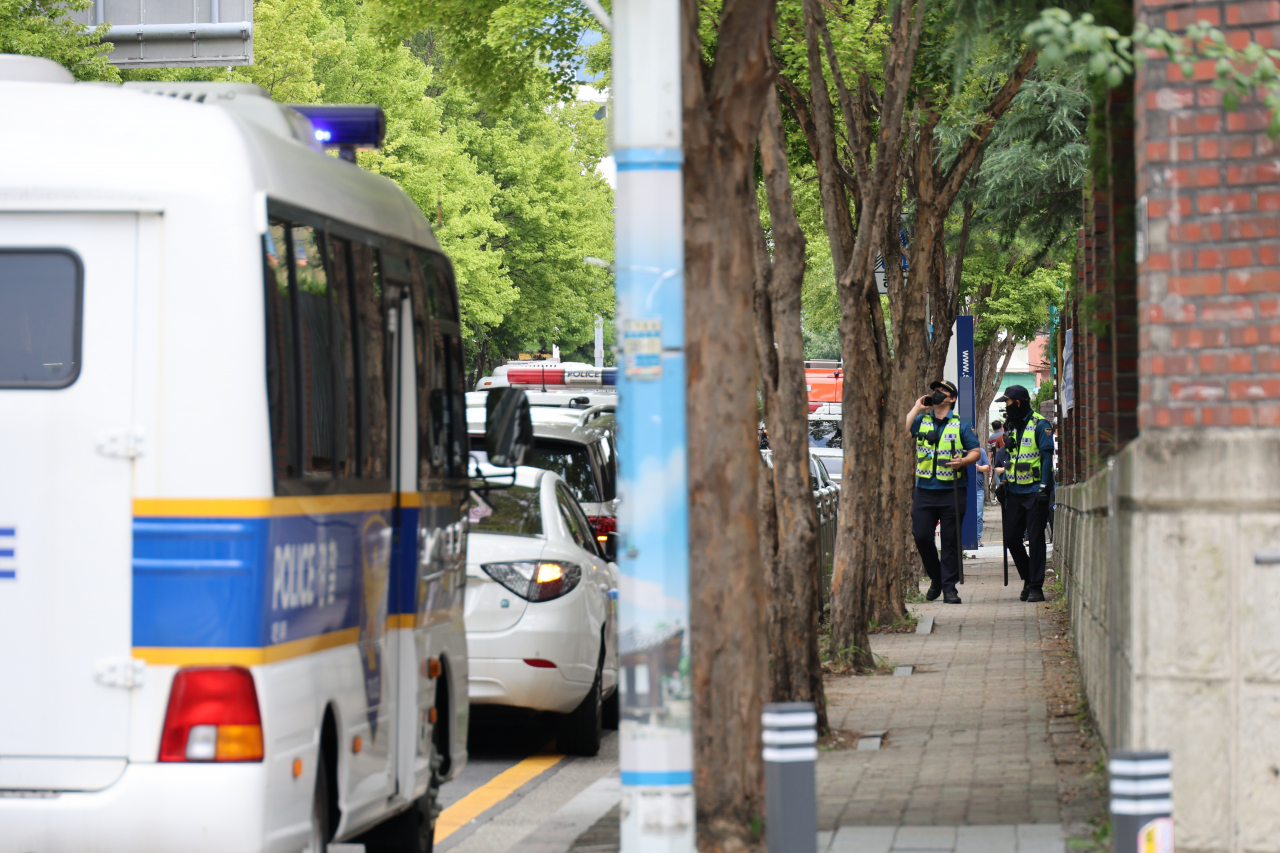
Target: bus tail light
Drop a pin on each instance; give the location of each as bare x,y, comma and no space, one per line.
213,716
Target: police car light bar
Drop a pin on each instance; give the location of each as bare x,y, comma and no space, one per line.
346,125
596,377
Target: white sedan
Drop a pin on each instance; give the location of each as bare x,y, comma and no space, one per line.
540,615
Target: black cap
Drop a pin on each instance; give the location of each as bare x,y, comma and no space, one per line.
1014,392
949,387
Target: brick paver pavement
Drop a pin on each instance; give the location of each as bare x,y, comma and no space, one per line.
967,740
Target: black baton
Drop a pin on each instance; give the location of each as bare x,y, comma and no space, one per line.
1004,546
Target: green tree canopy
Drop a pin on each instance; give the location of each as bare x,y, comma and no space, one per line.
45,28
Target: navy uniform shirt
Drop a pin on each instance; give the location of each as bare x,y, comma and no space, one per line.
1044,441
968,440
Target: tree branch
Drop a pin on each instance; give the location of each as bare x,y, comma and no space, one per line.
955,176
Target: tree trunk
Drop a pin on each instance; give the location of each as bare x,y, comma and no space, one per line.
873,559
791,557
722,110
869,547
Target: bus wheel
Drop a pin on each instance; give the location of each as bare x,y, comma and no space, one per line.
414,829
321,832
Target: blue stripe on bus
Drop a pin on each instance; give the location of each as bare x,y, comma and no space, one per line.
6,552
8,531
8,574
182,595
256,582
404,592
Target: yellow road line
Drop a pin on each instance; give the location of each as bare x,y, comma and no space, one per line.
490,794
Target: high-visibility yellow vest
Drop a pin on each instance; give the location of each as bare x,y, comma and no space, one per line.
1026,455
947,445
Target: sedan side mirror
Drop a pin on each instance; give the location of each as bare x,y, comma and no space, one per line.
508,431
610,547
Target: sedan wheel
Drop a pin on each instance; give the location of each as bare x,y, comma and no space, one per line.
582,730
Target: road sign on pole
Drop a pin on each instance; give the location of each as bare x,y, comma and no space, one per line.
656,731
174,33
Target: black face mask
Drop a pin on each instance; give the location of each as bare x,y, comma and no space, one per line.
938,397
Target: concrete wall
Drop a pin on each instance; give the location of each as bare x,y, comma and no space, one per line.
1177,630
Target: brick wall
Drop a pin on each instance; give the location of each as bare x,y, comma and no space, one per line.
1209,288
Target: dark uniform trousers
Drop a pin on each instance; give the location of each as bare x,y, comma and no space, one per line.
1024,514
928,507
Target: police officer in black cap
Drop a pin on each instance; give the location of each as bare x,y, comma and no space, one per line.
1029,475
944,448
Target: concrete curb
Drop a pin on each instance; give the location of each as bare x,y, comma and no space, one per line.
574,818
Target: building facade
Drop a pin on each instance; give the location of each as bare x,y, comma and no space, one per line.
1170,451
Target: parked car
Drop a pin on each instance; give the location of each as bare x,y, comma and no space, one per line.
579,445
568,398
826,496
541,624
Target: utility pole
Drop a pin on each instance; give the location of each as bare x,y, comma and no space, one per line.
599,348
656,731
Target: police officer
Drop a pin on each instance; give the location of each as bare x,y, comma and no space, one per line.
943,449
1029,476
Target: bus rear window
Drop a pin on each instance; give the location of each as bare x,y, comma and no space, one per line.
40,299
516,511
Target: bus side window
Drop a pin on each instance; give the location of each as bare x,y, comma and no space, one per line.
316,379
281,393
343,358
374,355
448,405
453,403
430,451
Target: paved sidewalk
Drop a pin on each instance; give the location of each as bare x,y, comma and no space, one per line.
1024,838
966,764
968,734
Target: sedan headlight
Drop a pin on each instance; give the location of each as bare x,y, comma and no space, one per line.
536,580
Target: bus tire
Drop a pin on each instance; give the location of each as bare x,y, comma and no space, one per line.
414,829
582,729
321,831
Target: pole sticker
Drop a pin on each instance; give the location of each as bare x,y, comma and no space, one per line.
642,346
1156,836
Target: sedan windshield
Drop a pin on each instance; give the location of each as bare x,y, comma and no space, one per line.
516,511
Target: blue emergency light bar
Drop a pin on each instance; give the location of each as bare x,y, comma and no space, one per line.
346,125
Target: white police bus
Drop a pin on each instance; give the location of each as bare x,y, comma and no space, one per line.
232,479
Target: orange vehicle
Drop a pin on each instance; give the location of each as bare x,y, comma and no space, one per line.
824,385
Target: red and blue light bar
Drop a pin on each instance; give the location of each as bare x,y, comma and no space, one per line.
592,377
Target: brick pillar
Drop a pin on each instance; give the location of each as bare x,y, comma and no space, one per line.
1102,436
1089,350
1209,289
1124,273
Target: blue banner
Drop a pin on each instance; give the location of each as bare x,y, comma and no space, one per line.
968,417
